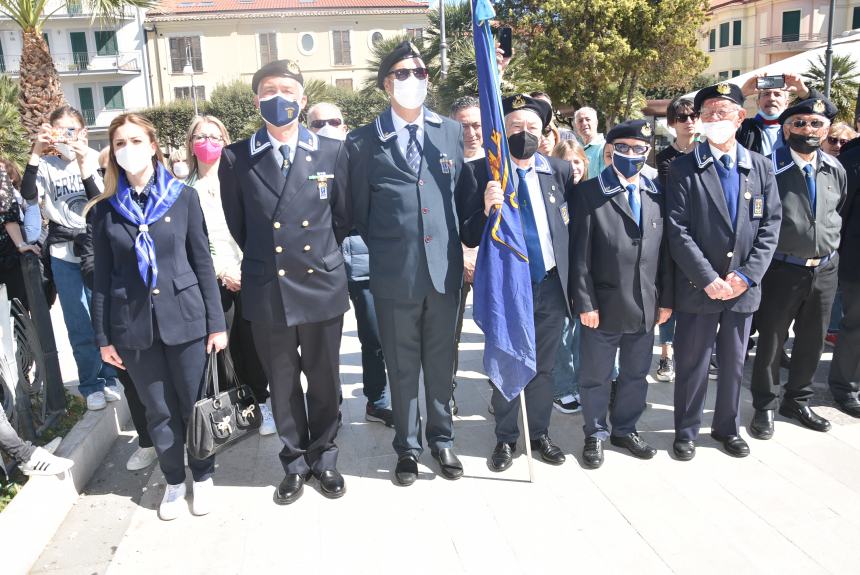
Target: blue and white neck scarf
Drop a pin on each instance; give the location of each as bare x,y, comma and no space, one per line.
162,194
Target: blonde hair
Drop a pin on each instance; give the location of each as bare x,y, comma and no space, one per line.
112,170
191,159
566,147
841,129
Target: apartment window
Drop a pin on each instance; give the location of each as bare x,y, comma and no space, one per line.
376,37
87,105
344,84
415,34
342,55
80,50
268,48
113,98
307,43
724,76
855,19
724,34
736,73
184,92
179,55
791,26
712,41
106,43
736,32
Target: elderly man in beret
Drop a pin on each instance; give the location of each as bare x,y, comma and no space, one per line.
286,202
404,169
621,287
543,187
724,216
800,283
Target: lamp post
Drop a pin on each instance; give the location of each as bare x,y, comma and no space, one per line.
828,54
443,41
189,70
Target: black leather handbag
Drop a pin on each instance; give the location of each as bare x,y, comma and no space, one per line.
221,417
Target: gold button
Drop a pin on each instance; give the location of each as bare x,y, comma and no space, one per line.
730,254
156,291
307,248
310,270
282,273
279,249
277,225
305,224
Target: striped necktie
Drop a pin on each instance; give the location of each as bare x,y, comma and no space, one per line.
413,149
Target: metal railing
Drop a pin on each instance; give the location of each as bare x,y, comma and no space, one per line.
791,38
89,116
78,62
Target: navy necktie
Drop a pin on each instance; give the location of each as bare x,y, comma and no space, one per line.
635,202
537,268
731,200
413,149
285,165
726,161
809,171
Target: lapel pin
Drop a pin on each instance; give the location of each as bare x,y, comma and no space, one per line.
167,219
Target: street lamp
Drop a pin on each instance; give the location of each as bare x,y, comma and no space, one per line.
828,54
443,41
189,70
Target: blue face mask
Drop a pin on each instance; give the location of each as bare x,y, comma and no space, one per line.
768,116
627,166
279,111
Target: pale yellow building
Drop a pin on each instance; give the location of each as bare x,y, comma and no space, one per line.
227,40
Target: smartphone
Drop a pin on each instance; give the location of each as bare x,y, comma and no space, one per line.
770,82
506,41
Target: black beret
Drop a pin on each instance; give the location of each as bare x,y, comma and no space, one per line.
279,68
820,106
723,90
524,102
406,50
635,129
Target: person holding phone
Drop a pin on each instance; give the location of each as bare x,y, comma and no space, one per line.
762,133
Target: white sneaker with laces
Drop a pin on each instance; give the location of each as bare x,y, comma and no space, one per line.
142,458
112,393
172,502
42,462
203,496
96,401
267,426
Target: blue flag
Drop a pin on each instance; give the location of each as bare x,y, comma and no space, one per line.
503,307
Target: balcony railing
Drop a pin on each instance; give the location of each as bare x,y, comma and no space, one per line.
81,62
777,41
89,116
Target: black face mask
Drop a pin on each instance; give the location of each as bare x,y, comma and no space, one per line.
523,145
803,144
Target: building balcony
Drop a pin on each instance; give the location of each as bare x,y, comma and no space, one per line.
791,42
82,63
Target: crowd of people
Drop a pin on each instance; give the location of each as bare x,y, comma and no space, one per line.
256,249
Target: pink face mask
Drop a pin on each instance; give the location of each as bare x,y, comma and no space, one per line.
207,151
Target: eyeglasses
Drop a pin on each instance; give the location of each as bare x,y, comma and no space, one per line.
836,141
332,122
721,113
201,137
626,148
403,73
813,123
681,118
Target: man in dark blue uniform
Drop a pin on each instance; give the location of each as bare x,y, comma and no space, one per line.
403,169
621,278
543,186
287,205
724,217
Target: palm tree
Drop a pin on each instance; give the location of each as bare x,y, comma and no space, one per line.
845,80
14,144
40,84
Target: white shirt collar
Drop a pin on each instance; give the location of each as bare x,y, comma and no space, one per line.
478,155
400,123
801,163
733,153
292,143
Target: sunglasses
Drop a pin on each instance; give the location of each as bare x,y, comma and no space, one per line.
684,117
332,122
403,73
813,123
836,141
626,148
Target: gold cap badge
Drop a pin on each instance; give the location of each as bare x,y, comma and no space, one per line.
293,68
723,88
818,107
646,130
519,102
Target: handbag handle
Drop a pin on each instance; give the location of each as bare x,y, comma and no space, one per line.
212,369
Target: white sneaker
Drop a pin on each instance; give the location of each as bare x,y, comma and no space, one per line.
96,401
172,502
42,462
112,393
203,496
141,458
267,427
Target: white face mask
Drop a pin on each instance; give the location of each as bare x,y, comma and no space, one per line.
719,132
180,170
329,131
411,92
65,151
134,159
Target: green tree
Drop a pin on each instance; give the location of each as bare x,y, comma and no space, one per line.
845,80
171,121
360,107
233,104
14,143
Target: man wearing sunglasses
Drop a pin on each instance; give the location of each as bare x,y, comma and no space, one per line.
325,119
404,169
800,283
724,215
621,286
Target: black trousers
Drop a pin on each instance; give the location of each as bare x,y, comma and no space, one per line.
372,358
844,376
241,348
307,434
791,293
135,406
464,293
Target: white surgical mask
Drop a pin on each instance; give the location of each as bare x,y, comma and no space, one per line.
335,132
411,92
719,132
180,170
65,151
134,159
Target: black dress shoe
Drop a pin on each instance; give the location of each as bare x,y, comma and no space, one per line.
549,451
503,456
733,444
761,426
332,484
805,415
634,443
850,406
684,450
406,471
290,489
592,453
448,463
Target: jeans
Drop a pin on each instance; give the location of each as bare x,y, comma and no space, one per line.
667,331
75,299
372,359
17,448
566,373
835,313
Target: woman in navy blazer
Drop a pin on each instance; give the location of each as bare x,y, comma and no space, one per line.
156,306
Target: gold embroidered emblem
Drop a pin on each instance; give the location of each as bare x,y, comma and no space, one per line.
723,88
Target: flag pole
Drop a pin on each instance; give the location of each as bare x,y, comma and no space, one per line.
526,435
